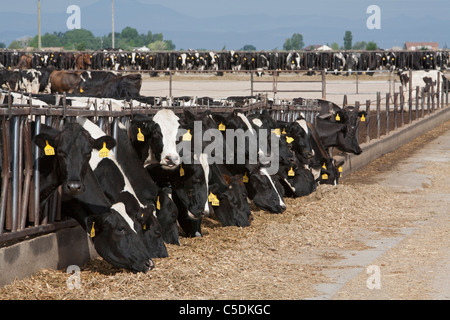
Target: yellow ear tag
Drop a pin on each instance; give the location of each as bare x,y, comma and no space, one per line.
49,150
187,136
291,173
284,131
337,117
93,230
140,136
222,127
245,178
289,139
104,152
340,169
363,118
324,166
144,227
277,131
324,176
181,171
213,199
158,204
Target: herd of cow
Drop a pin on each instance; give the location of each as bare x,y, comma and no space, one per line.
333,61
135,192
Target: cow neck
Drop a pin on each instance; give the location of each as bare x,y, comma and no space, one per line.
316,138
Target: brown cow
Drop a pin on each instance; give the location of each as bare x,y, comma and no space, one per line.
82,61
65,81
24,62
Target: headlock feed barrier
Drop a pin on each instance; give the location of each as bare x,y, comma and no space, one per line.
21,117
228,60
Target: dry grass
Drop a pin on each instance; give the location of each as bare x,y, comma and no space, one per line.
274,258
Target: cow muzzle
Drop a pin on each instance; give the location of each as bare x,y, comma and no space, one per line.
170,162
74,187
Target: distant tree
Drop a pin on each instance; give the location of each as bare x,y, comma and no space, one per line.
294,43
161,45
248,47
2,45
348,40
77,36
371,46
15,45
335,46
359,45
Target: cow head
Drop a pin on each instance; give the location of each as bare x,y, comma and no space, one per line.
167,213
157,139
232,208
298,137
113,231
346,138
330,172
71,147
265,191
297,180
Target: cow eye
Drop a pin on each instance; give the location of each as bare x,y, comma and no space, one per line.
121,229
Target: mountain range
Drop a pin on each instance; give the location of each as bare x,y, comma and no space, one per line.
232,31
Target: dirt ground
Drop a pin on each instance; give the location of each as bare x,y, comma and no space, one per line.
319,248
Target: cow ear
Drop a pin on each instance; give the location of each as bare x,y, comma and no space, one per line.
108,140
227,178
362,113
219,118
44,139
92,226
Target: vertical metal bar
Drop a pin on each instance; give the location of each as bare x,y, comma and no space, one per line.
396,110
388,107
402,104
15,172
170,84
368,120
378,114
115,132
324,85
251,83
5,173
37,202
417,102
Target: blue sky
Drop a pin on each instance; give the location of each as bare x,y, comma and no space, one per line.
234,23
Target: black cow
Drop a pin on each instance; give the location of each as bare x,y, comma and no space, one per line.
118,87
338,129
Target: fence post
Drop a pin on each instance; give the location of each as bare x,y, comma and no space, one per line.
417,102
396,110
402,105
388,107
324,85
368,120
378,114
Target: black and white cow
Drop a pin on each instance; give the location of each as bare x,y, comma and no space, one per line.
161,132
422,79
116,178
262,188
66,163
338,129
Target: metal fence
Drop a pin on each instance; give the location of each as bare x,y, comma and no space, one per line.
20,212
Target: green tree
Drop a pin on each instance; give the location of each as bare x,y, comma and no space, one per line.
77,36
248,47
335,46
348,40
371,46
359,45
294,43
15,45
